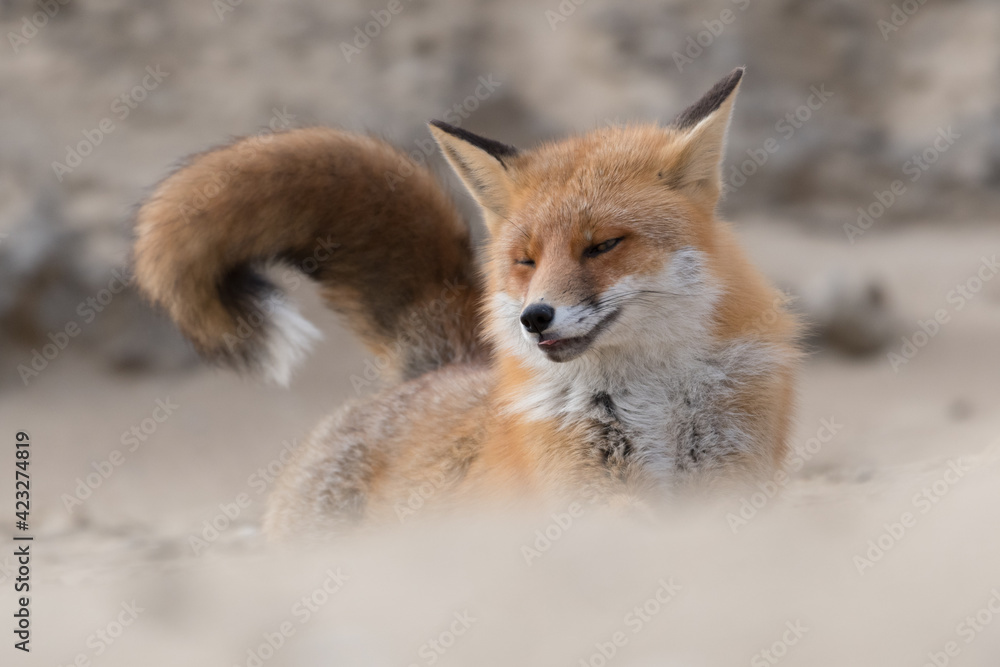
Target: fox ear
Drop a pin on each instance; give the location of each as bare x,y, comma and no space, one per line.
481,163
695,162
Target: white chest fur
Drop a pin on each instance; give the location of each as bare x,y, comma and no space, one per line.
675,412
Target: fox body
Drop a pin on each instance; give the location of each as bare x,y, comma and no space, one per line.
614,344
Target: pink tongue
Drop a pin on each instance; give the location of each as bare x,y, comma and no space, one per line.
548,342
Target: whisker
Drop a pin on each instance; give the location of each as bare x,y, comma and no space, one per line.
644,296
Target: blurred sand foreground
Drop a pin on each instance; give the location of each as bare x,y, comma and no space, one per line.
883,551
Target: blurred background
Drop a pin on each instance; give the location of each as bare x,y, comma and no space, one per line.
862,173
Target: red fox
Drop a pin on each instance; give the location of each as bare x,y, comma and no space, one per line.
618,343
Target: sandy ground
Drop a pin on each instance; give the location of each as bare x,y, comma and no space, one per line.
882,551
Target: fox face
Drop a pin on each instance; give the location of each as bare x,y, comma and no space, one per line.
600,244
590,257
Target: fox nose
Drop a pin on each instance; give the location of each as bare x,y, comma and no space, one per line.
537,317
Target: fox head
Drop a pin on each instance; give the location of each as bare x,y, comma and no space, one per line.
600,243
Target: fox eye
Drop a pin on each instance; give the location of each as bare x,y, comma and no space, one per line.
525,262
601,248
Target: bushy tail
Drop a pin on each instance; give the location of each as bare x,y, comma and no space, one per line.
374,229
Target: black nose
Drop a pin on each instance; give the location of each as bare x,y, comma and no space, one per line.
537,317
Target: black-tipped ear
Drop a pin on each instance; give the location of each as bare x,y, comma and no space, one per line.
693,159
481,163
497,149
710,101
